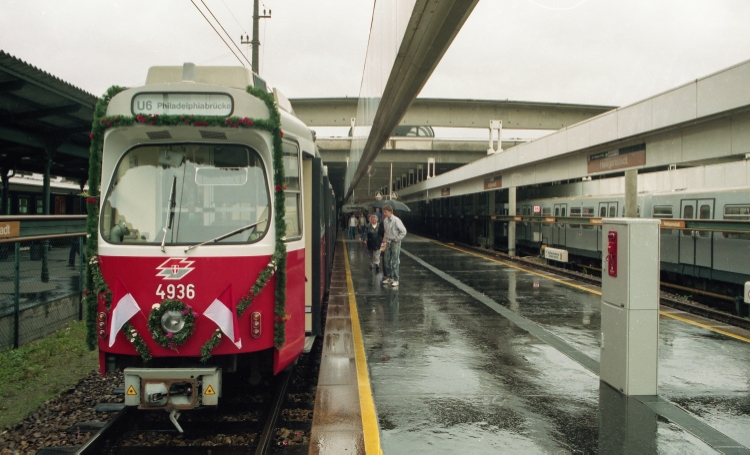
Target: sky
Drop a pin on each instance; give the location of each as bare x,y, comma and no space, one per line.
605,52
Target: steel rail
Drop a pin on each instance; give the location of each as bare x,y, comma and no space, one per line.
114,427
266,436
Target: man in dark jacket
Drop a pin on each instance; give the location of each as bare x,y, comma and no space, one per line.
373,238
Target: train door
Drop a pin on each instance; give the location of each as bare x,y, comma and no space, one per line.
558,231
696,246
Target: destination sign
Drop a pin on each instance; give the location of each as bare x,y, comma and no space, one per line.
493,182
183,104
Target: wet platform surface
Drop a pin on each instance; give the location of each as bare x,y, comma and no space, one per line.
469,356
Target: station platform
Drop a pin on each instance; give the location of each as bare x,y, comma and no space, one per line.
474,355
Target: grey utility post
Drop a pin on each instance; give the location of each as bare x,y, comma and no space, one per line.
631,193
630,305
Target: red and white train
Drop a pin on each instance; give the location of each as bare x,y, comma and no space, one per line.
186,234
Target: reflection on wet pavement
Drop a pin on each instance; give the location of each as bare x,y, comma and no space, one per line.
449,374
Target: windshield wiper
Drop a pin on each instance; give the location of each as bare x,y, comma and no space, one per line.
170,216
228,234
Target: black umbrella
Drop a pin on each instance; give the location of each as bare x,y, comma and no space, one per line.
395,204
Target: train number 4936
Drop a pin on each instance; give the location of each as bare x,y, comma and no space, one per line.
179,291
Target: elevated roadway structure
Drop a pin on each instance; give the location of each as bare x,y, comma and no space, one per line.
410,154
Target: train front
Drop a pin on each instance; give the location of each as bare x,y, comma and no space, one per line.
185,272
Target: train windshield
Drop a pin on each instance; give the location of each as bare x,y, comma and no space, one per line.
187,194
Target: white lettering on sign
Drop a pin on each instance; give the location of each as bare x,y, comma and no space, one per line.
10,229
183,104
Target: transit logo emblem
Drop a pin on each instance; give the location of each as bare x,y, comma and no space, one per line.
175,268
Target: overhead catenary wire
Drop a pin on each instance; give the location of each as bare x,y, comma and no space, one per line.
217,32
225,31
235,17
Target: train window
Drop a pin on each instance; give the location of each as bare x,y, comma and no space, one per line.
575,211
557,211
39,206
23,205
546,211
687,213
588,212
737,213
612,211
663,211
603,211
187,194
293,216
562,211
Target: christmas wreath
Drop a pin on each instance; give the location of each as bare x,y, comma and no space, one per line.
171,339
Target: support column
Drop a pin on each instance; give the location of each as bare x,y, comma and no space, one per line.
473,227
49,154
5,175
491,222
631,193
512,224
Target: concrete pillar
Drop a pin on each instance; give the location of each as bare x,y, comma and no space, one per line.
473,228
491,223
631,193
512,224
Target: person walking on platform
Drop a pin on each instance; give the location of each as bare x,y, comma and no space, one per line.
362,225
352,227
372,239
394,233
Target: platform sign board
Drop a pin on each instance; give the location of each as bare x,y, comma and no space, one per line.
10,229
625,157
672,224
747,291
556,254
182,104
445,191
493,182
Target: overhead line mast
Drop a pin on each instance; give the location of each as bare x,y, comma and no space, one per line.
256,40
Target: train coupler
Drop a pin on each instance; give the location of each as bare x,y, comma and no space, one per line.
172,388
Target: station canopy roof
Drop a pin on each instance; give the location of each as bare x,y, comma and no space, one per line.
38,111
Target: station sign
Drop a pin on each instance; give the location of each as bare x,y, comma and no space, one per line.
625,157
556,254
672,224
10,229
219,104
493,182
445,192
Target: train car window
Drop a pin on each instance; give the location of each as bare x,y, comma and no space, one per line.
39,206
736,213
612,211
603,211
562,211
704,213
557,211
293,216
187,194
23,205
546,211
575,211
588,212
663,211
687,213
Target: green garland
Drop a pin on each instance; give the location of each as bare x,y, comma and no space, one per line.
95,284
171,340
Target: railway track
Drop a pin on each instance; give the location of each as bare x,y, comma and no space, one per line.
276,418
665,299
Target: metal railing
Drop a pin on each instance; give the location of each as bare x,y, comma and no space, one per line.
41,276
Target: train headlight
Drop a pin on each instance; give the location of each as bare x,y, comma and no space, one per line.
172,321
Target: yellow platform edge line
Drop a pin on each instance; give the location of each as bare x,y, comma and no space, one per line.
670,315
366,403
